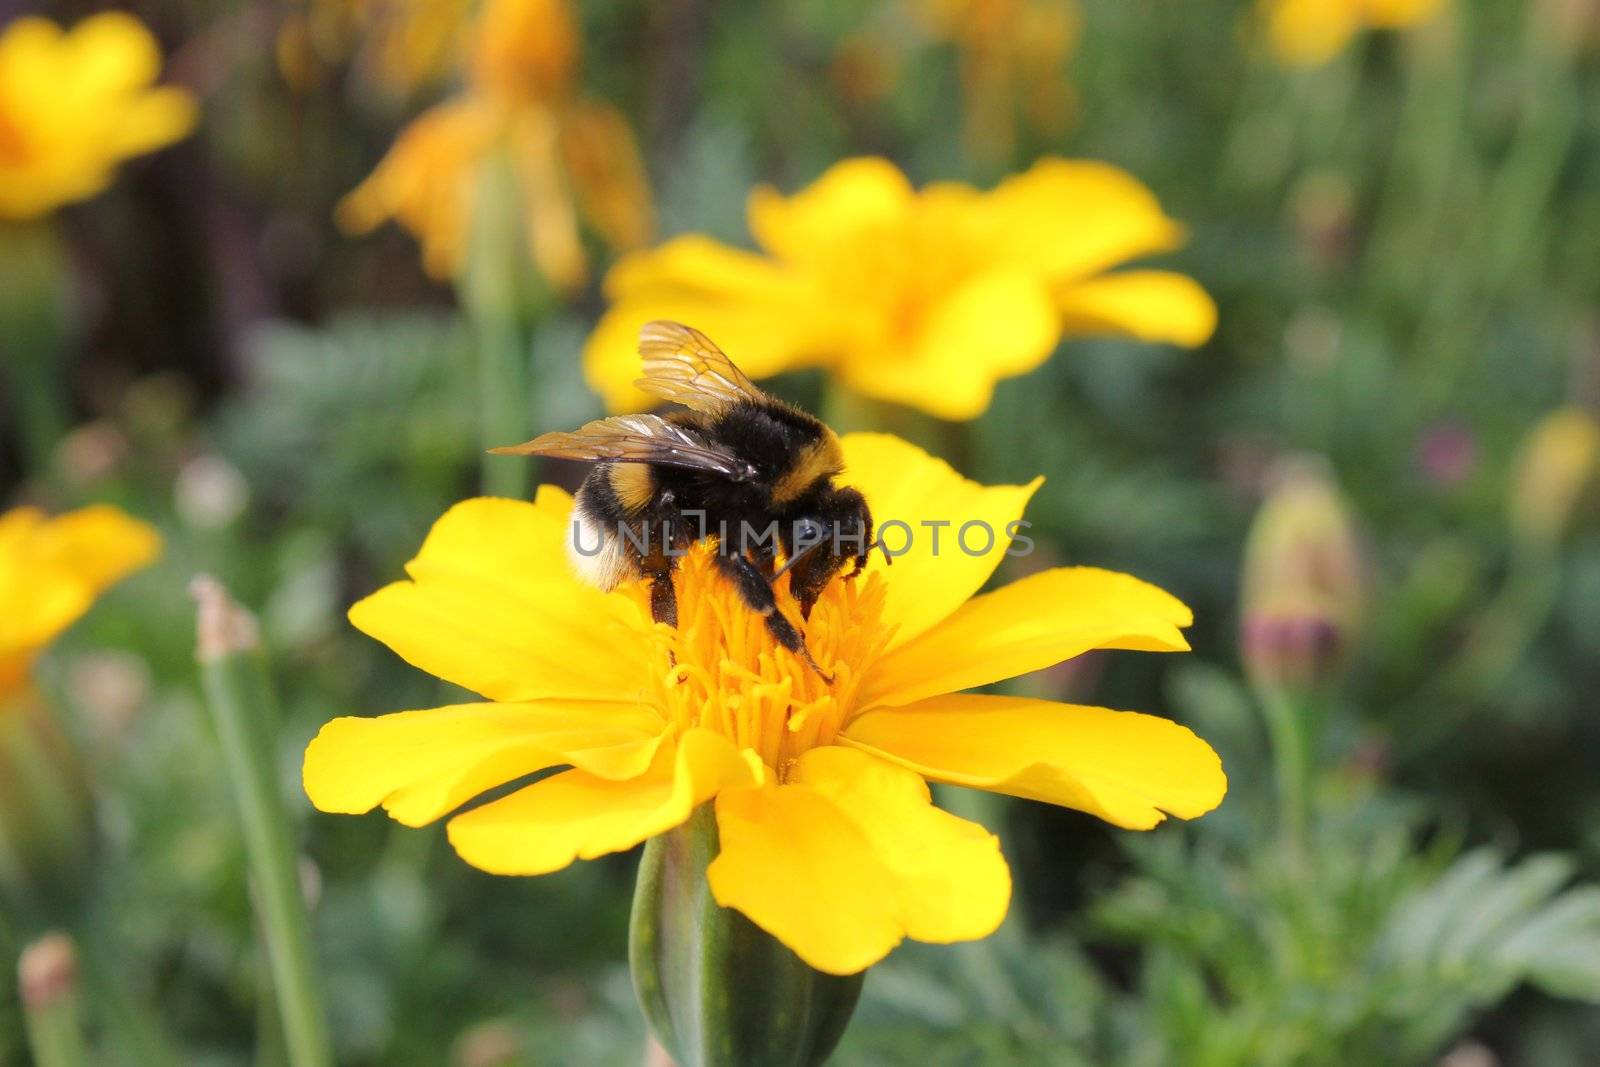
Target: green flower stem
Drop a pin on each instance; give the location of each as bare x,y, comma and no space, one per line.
46,815
494,292
32,330
1293,726
39,399
51,1010
239,697
1499,638
1427,150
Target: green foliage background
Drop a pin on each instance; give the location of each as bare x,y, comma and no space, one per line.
1405,247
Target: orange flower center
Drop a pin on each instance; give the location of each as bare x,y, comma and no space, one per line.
13,146
902,271
721,669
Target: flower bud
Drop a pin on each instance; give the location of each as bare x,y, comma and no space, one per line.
1304,581
46,813
47,972
1553,465
47,978
716,989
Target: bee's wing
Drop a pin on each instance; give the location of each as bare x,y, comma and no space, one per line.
636,439
684,366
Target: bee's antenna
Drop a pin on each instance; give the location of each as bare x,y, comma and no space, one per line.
888,560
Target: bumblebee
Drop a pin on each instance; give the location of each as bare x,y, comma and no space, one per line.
736,467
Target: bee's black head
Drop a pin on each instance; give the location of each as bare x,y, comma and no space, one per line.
835,529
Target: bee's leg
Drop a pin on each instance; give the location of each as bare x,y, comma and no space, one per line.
658,568
663,600
663,597
756,592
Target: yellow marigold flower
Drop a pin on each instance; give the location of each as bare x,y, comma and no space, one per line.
1308,33
75,104
829,839
51,571
569,155
925,298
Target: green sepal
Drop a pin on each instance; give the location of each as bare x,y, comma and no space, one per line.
716,989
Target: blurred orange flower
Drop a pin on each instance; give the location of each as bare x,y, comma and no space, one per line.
1308,33
925,298
51,571
570,155
75,104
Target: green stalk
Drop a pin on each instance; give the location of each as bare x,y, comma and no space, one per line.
490,292
239,697
1291,728
1426,169
1499,638
47,838
32,329
52,1013
129,1025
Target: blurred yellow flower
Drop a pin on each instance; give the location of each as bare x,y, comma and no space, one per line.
568,154
925,298
1013,56
829,839
1308,33
51,571
75,104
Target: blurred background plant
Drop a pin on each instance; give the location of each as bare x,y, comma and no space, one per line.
1375,483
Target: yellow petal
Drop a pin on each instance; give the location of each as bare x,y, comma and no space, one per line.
1397,14
422,765
158,118
549,215
97,546
111,53
797,867
1151,305
495,606
766,317
1127,768
910,494
427,182
948,878
51,571
1308,33
576,815
851,197
1075,218
999,324
607,173
1026,626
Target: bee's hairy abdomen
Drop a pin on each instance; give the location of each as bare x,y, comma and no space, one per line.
600,554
